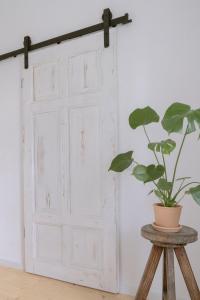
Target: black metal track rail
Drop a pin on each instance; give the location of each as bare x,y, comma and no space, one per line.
105,25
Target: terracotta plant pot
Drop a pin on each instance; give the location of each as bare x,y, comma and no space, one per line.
167,217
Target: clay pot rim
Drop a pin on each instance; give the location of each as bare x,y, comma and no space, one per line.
161,205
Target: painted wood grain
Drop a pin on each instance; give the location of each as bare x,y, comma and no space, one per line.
70,137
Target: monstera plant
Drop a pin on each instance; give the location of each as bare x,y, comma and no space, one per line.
178,118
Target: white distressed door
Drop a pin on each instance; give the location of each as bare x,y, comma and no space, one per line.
70,137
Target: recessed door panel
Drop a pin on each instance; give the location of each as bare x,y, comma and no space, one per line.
85,181
86,248
49,243
84,73
46,82
47,162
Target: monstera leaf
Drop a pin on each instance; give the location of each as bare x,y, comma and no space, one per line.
173,120
155,172
149,173
141,117
195,192
140,173
165,147
164,185
121,162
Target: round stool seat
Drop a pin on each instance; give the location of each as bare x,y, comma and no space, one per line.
184,236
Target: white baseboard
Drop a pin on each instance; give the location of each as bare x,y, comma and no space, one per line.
10,264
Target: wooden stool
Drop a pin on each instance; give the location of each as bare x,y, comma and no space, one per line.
168,243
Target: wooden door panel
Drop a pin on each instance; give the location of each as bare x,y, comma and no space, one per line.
46,82
84,139
47,162
70,137
86,248
48,241
84,73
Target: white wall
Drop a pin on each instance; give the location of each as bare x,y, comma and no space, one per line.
158,64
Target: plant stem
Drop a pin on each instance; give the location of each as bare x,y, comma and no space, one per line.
165,174
180,190
163,158
145,131
181,185
180,199
177,160
163,201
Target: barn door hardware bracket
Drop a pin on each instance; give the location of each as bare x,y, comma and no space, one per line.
27,44
107,17
108,22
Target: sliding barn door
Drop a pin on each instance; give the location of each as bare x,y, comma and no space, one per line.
70,137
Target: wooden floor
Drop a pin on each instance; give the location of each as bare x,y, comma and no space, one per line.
17,285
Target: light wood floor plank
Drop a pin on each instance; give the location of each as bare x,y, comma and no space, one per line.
17,285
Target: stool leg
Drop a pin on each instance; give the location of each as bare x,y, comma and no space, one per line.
164,292
149,273
169,291
187,273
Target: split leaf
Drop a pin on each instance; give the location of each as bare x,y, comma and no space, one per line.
175,115
149,173
165,147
